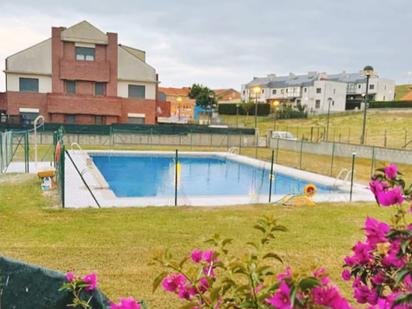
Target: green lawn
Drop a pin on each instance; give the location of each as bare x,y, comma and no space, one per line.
119,243
402,90
343,127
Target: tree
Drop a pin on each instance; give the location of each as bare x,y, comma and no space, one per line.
204,96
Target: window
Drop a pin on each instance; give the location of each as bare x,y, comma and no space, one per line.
318,90
84,53
100,89
99,120
359,86
274,91
27,118
317,104
70,119
136,120
305,89
28,84
282,91
244,92
263,91
70,86
287,90
137,91
371,87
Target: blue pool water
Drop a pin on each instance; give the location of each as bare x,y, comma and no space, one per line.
153,176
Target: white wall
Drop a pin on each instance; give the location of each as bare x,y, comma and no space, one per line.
123,89
385,90
329,89
132,68
45,82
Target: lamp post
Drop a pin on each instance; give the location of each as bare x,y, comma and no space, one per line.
275,110
368,71
327,121
257,91
179,101
237,115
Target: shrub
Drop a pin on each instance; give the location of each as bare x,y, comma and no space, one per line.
390,104
244,109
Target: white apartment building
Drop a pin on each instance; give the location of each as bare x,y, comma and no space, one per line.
315,90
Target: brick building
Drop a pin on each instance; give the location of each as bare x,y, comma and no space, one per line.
182,108
81,75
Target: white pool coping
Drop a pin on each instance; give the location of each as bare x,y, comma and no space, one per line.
77,195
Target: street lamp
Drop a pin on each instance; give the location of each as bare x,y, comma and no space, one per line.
179,101
367,71
275,105
330,100
257,90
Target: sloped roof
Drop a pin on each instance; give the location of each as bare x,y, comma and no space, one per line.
184,91
138,53
84,32
227,94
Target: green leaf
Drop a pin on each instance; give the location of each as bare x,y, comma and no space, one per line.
158,280
272,255
308,283
260,228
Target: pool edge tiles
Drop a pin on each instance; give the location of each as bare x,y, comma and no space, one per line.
78,196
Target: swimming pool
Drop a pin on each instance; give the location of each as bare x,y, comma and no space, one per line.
121,178
154,176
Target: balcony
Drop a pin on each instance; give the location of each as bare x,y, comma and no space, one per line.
98,71
84,105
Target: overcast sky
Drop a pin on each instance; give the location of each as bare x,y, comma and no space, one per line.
225,43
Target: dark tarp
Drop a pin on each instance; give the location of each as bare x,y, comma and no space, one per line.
24,286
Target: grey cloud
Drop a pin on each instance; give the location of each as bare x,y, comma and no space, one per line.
226,43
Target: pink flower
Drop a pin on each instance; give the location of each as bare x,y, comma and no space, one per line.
281,299
203,285
329,297
285,275
391,171
378,279
91,281
346,275
390,197
70,276
126,303
361,292
172,282
197,255
376,186
376,231
208,256
186,292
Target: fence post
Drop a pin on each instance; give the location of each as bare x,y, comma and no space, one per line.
373,160
26,152
351,176
271,176
301,153
277,150
385,140
176,171
332,159
62,176
311,134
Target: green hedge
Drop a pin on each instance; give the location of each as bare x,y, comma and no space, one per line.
244,109
390,104
291,114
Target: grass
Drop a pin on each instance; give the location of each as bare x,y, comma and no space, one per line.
401,91
118,244
343,127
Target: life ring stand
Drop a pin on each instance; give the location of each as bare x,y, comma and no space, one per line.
310,190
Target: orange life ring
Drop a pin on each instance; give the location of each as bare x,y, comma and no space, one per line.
57,152
310,190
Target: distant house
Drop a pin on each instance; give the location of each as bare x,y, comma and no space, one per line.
227,95
314,90
81,75
182,108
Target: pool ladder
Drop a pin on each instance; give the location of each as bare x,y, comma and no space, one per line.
89,164
343,176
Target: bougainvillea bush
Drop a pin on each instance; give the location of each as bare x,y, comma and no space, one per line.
380,267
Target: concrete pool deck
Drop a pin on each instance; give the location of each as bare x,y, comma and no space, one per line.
77,195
